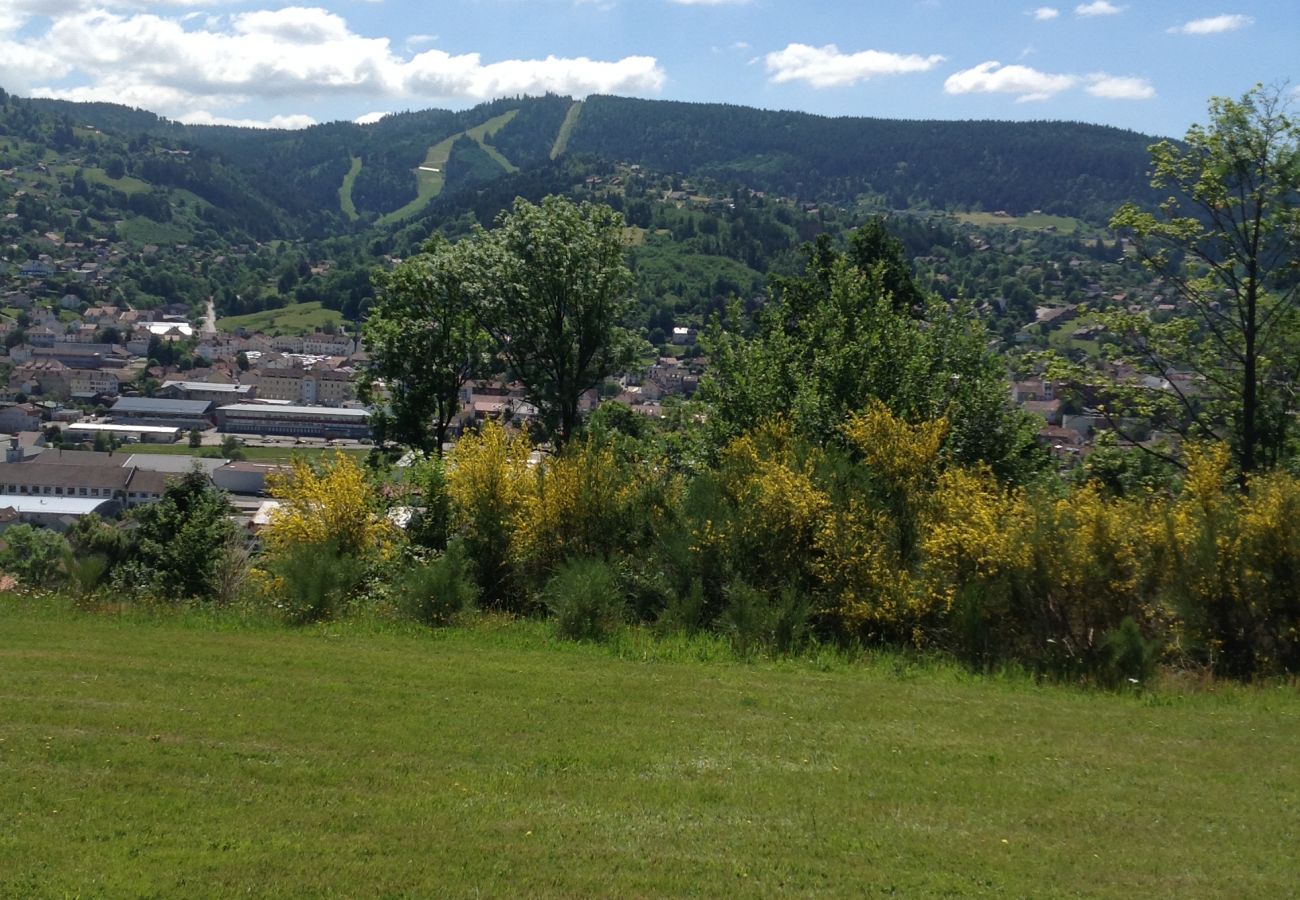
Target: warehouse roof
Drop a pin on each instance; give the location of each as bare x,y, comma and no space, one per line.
240,409
58,506
155,406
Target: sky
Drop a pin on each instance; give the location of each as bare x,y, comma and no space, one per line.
1147,66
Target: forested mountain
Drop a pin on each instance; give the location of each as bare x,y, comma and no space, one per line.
717,198
1057,167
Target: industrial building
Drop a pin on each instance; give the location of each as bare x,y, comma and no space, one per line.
294,421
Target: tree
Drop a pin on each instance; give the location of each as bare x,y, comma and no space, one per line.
32,554
183,537
830,342
424,344
551,287
1226,240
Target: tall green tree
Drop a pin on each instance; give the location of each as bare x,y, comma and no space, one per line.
832,340
182,538
552,288
424,343
1227,239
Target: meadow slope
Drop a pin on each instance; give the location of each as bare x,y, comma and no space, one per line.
193,757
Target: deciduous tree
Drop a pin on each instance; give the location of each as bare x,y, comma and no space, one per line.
552,288
1226,240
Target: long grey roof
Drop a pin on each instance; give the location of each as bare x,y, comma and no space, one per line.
129,405
59,506
292,411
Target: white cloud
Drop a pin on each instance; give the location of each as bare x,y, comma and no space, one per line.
994,78
1097,8
370,118
824,67
1213,24
203,117
21,65
1044,13
1113,87
159,63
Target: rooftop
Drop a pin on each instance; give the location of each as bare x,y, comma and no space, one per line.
130,405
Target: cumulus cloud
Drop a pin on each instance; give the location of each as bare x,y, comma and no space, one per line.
1097,8
203,117
823,67
165,64
1044,13
21,65
994,78
1113,87
370,118
1213,24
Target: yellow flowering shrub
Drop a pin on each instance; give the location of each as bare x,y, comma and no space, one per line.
1236,582
902,454
332,502
868,558
582,506
774,507
490,485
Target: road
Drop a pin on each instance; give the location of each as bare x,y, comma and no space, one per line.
210,318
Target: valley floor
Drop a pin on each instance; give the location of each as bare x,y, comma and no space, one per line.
193,756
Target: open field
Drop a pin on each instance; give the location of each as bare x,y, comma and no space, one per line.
252,454
429,183
349,208
480,133
296,318
566,129
195,755
1033,221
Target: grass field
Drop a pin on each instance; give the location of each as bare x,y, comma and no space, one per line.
252,454
345,189
566,129
190,755
1033,221
429,183
141,230
296,318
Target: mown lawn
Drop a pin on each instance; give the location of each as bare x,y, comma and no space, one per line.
191,757
294,318
280,453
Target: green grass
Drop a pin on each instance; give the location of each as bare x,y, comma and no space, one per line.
192,755
140,230
480,133
1033,221
566,129
296,318
345,190
252,454
429,184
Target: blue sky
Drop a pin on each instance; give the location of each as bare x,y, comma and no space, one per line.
1149,66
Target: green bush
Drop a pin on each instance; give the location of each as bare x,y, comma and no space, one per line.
1129,658
315,581
436,592
585,598
684,612
756,621
32,555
